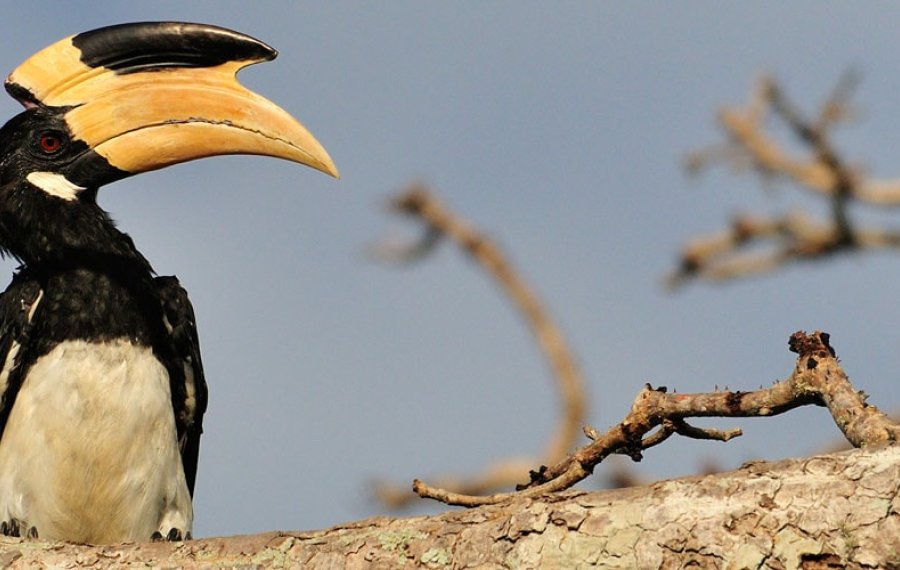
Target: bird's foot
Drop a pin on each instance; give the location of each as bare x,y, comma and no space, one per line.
174,535
17,528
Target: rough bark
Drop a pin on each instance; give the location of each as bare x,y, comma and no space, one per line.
839,510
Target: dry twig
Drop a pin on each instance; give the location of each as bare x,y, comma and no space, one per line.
439,221
817,379
793,237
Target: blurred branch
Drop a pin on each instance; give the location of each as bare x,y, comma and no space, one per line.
822,170
817,379
424,206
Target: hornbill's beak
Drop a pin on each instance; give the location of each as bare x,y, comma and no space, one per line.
148,95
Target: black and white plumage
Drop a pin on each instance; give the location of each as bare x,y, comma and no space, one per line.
102,393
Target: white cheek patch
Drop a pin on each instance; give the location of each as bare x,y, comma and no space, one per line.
55,184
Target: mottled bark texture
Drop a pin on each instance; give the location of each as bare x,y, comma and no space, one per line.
831,511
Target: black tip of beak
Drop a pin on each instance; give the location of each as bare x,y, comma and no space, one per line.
149,46
22,95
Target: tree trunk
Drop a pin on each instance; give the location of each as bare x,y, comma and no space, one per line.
831,511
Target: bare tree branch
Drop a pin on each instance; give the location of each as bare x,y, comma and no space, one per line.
438,220
823,171
817,379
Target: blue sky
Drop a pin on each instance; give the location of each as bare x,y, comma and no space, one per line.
559,128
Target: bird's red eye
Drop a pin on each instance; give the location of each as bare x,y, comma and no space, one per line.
51,142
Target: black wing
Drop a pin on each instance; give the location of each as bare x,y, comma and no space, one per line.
17,306
189,393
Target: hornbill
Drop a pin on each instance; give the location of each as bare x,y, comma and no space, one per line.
102,392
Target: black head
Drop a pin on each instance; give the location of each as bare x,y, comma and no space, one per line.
48,190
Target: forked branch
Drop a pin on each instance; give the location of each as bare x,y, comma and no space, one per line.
817,379
822,170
